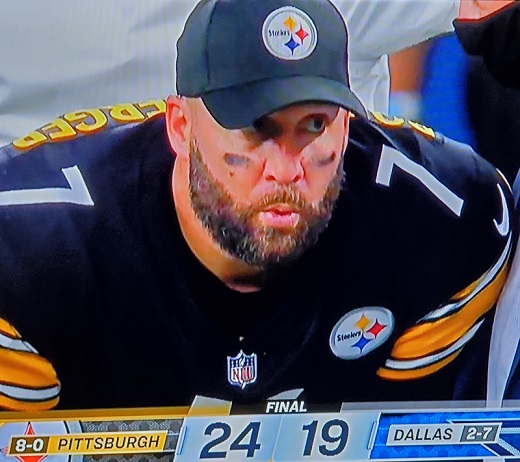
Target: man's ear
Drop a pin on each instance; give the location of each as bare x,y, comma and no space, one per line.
178,125
347,117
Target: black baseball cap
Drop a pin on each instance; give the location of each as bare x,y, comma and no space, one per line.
249,58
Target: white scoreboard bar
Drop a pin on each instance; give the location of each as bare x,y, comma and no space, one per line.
354,435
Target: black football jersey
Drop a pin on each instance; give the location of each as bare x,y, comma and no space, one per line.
103,304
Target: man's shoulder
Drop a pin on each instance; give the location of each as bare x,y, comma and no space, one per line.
426,208
424,229
391,154
86,135
81,172
89,137
87,122
79,143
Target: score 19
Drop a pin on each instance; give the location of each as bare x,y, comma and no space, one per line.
333,431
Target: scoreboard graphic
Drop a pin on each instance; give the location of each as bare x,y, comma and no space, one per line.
177,434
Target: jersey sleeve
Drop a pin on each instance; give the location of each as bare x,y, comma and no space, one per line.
28,382
37,191
438,338
478,207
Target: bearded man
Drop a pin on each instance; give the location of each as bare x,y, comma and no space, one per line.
262,237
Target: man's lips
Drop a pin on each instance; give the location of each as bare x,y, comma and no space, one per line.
279,216
280,208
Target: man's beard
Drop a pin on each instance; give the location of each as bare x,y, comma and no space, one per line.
237,229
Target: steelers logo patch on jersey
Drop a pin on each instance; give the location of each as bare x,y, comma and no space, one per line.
361,331
289,34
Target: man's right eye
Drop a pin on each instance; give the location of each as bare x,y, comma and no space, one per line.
258,126
264,128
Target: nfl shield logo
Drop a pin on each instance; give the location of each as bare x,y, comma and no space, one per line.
241,369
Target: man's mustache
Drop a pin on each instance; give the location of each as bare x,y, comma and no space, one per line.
287,196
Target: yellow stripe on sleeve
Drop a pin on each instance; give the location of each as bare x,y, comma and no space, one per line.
412,374
429,337
7,329
26,369
9,404
28,382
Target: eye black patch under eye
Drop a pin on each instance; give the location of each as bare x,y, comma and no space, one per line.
236,160
328,160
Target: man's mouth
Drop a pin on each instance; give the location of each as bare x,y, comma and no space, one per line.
279,216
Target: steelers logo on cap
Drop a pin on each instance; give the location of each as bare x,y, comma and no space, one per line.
289,34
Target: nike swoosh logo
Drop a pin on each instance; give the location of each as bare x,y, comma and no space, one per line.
77,193
503,226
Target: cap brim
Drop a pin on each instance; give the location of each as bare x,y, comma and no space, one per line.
239,106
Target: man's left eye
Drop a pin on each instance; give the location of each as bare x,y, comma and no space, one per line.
316,125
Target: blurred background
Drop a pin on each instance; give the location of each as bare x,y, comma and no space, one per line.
71,55
437,84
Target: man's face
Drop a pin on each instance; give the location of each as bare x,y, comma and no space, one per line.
266,193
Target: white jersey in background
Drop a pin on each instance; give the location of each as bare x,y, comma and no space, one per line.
65,55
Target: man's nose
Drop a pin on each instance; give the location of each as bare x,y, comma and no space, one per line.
283,165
